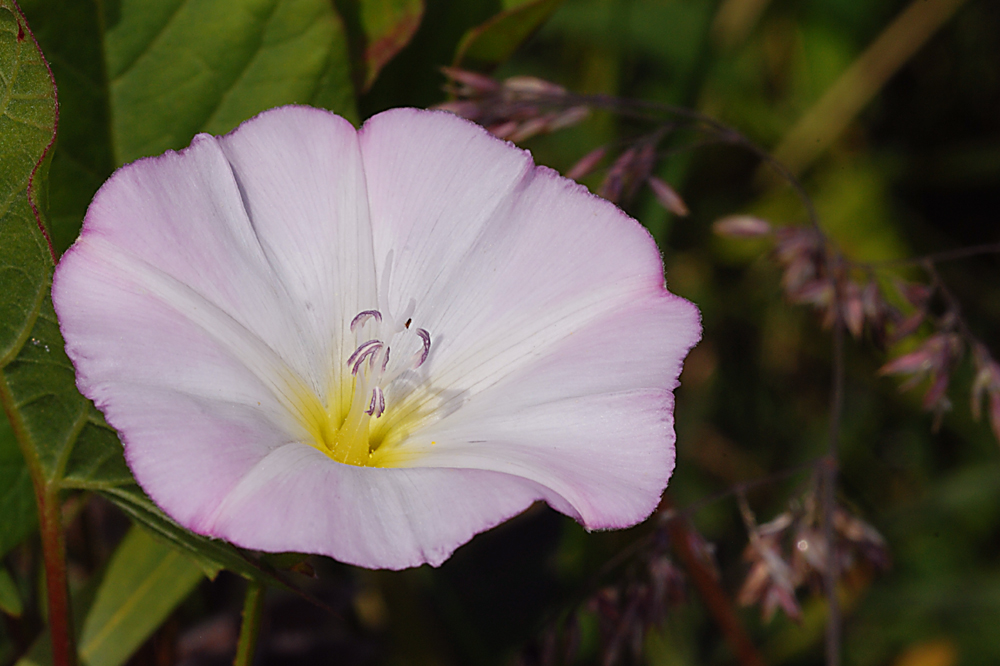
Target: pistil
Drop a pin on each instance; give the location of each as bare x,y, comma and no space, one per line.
350,443
369,366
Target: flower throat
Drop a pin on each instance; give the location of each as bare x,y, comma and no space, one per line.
372,368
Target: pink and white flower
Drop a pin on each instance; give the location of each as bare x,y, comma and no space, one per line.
373,344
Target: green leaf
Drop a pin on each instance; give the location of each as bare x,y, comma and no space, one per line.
389,26
179,67
10,598
46,410
69,33
40,653
145,580
96,461
378,30
17,499
211,555
495,41
265,54
27,130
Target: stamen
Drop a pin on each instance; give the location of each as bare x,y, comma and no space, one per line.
369,386
370,355
364,316
361,349
376,407
347,438
367,350
426,338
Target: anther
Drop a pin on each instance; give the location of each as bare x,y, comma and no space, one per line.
426,338
367,350
361,349
364,316
376,406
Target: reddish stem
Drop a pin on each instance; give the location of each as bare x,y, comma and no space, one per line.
56,584
711,592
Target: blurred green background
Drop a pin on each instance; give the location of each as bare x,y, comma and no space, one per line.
890,112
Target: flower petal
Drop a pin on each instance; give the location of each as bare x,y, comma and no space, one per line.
300,176
298,499
434,181
590,419
604,460
187,302
212,287
191,410
497,273
555,343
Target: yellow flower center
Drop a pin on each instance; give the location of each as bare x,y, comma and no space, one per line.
354,428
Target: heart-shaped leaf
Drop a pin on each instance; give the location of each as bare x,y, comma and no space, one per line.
179,67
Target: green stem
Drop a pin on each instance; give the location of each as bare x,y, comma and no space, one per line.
253,607
56,585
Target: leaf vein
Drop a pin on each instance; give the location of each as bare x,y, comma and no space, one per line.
29,325
71,437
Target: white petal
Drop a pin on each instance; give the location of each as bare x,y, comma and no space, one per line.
555,343
605,459
300,175
298,499
181,214
182,306
196,398
591,420
498,273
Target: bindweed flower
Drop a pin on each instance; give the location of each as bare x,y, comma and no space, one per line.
373,344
